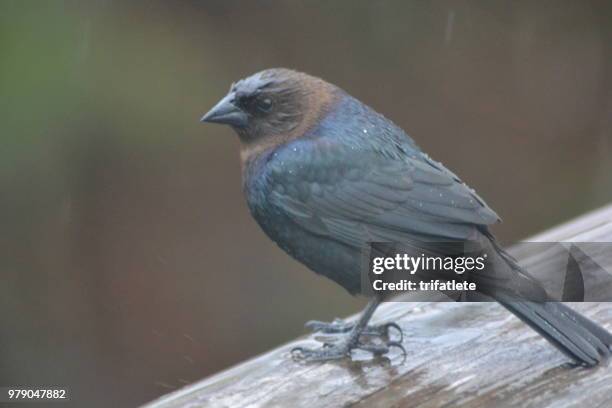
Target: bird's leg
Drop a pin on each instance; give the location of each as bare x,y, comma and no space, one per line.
351,342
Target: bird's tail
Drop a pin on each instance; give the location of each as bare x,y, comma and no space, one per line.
575,335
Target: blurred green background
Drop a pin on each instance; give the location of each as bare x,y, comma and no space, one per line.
130,264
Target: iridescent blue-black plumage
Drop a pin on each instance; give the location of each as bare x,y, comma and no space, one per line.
355,177
324,174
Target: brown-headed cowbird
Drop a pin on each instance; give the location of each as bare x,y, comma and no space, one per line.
324,175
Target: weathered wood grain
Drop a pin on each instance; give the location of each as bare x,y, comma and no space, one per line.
459,354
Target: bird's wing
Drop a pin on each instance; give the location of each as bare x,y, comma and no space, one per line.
355,196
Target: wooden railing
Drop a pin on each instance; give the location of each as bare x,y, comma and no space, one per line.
458,354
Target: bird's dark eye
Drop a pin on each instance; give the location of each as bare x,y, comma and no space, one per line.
264,104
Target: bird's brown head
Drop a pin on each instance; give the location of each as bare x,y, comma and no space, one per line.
272,107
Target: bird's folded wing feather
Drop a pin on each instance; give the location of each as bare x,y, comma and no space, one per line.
356,196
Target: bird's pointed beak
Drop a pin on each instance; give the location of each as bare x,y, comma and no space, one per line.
225,112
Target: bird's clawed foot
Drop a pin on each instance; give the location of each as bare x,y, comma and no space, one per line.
378,341
342,349
383,331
